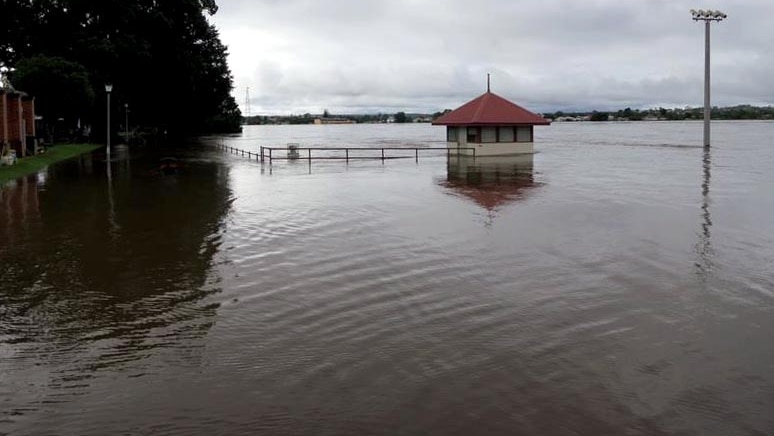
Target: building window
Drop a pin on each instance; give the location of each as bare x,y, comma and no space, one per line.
473,134
451,134
506,134
524,134
488,134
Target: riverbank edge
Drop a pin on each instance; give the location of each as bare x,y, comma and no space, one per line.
57,153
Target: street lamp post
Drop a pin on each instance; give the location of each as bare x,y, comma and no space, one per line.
707,16
126,125
108,89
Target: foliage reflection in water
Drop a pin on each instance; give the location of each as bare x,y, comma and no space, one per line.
105,275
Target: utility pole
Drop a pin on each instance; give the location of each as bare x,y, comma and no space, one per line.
126,125
108,90
247,104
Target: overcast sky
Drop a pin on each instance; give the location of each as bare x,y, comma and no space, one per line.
364,56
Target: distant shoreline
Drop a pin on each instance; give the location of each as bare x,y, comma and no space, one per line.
740,112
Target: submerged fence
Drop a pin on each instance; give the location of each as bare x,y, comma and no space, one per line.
339,153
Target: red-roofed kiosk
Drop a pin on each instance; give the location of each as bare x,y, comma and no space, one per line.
492,125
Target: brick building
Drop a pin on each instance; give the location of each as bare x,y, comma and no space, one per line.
17,120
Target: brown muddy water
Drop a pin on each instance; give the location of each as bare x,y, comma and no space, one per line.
621,281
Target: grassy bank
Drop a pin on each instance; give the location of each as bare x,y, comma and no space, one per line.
56,153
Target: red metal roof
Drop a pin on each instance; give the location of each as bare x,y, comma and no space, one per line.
489,109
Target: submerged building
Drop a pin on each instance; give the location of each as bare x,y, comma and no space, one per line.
491,125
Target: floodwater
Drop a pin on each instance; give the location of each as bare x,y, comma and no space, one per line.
619,281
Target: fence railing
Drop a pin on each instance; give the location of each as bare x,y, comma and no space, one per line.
340,153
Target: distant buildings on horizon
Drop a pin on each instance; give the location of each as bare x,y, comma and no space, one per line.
740,112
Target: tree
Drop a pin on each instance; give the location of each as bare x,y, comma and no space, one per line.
439,114
163,57
598,116
61,88
401,117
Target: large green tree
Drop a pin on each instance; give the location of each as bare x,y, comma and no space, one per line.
163,57
62,87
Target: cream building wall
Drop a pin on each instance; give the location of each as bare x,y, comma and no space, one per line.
461,146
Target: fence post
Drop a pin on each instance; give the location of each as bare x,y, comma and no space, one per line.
262,154
270,156
382,156
416,155
346,152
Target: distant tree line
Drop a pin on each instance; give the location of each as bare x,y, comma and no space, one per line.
307,118
163,58
740,112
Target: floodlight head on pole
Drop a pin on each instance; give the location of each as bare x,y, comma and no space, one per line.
108,87
707,15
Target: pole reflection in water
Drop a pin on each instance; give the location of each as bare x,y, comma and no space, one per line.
491,182
112,209
703,246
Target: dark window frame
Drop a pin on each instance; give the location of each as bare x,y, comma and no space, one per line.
475,133
449,130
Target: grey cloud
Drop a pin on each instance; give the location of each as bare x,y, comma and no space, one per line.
360,56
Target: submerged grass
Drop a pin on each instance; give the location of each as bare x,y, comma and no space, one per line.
54,154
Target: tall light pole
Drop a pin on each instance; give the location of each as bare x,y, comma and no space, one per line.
108,89
707,16
126,125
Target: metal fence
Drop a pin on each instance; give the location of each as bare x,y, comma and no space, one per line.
346,154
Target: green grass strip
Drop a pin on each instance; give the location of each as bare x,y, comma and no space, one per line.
53,154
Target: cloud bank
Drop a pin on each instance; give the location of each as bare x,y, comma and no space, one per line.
353,56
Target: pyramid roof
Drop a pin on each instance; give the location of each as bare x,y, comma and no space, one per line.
489,109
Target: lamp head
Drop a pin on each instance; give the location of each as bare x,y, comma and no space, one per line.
707,15
108,87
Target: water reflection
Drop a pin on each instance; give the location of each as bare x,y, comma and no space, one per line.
102,276
20,206
704,246
491,182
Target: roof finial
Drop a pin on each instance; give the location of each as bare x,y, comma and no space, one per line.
487,83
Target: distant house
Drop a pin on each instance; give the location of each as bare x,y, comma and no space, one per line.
492,125
333,121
